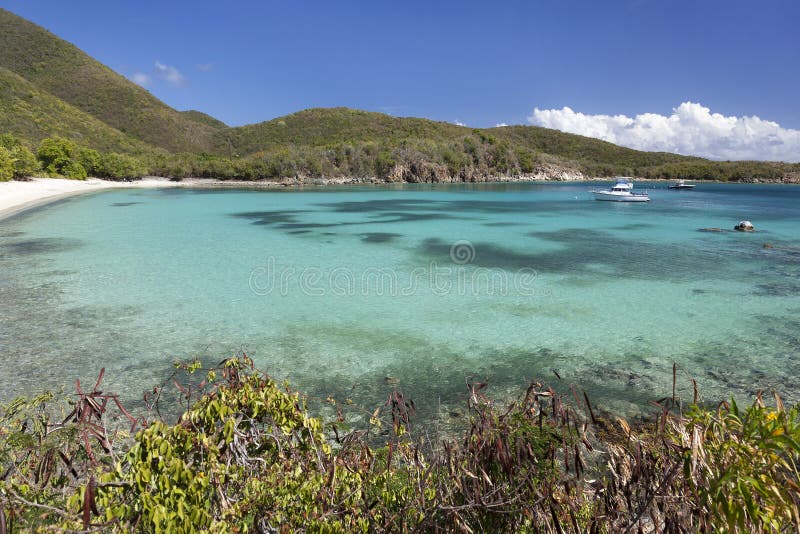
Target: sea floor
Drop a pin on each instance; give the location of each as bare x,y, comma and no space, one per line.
349,290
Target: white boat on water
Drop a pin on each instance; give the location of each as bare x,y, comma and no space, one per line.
621,191
681,184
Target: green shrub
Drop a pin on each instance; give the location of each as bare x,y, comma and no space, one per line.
246,456
6,165
74,170
56,156
743,464
89,159
114,165
246,452
25,163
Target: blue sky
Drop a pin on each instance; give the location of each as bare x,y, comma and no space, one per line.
479,63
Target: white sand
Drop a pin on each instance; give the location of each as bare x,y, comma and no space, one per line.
20,196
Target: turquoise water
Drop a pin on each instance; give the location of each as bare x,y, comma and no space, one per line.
339,289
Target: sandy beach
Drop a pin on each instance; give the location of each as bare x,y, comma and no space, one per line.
18,196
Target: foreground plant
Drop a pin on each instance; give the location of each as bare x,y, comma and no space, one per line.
742,464
246,456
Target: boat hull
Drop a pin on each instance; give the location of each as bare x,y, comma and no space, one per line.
616,197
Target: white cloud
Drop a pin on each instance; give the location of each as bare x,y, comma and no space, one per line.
458,123
500,125
169,73
691,129
141,78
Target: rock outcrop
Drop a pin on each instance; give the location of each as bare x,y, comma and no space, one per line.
427,172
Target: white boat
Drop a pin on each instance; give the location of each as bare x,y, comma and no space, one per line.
681,184
621,191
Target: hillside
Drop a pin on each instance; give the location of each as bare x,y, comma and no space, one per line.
341,142
586,150
63,70
49,87
204,118
32,114
330,126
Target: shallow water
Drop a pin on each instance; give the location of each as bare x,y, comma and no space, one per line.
338,289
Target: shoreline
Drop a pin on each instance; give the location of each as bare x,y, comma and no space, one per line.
20,196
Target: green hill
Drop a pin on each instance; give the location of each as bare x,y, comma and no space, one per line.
329,126
63,70
49,87
204,118
341,142
32,114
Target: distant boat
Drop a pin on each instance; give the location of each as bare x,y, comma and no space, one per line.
621,191
681,184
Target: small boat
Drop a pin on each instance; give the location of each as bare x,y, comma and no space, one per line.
681,184
621,191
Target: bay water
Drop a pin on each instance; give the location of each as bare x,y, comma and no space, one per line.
349,291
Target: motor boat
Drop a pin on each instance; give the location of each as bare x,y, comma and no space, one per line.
621,191
681,184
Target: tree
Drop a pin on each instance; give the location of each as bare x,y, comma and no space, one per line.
114,165
6,165
56,155
9,141
89,160
74,170
25,163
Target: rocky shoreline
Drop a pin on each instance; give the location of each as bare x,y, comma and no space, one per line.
433,173
22,195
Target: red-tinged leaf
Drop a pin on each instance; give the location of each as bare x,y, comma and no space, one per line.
87,507
180,387
589,405
68,463
99,379
92,500
88,447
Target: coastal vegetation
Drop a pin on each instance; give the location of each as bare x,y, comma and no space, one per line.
474,157
49,88
247,455
16,160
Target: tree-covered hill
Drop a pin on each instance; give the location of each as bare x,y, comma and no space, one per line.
444,151
50,88
58,67
585,150
32,115
331,126
204,118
